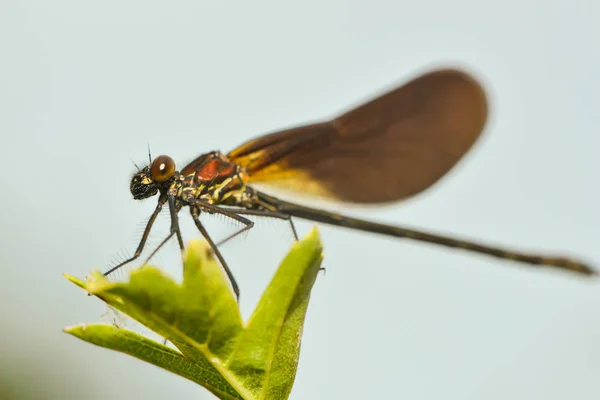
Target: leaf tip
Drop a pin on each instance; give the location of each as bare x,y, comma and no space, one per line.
198,252
312,241
75,330
75,280
314,233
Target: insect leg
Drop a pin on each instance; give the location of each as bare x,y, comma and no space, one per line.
231,214
161,200
195,215
174,229
262,213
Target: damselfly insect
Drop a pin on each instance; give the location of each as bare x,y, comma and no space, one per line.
393,147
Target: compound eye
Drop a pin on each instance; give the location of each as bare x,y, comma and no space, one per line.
162,168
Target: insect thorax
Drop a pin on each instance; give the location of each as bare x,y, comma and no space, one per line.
216,180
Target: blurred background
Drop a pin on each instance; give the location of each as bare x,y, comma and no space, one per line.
87,86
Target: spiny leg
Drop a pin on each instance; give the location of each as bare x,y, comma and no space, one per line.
258,213
231,214
263,213
195,215
174,229
161,201
175,221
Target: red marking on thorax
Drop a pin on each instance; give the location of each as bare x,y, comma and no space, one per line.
215,169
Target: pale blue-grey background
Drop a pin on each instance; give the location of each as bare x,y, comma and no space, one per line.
85,86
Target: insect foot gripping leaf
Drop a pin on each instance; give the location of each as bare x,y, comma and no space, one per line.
200,316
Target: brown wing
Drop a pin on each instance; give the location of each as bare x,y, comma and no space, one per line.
388,149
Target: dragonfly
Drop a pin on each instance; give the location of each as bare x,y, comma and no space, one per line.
385,150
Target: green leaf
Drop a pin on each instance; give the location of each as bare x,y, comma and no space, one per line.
136,345
270,345
201,318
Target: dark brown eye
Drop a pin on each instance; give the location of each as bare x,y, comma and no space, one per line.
162,168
